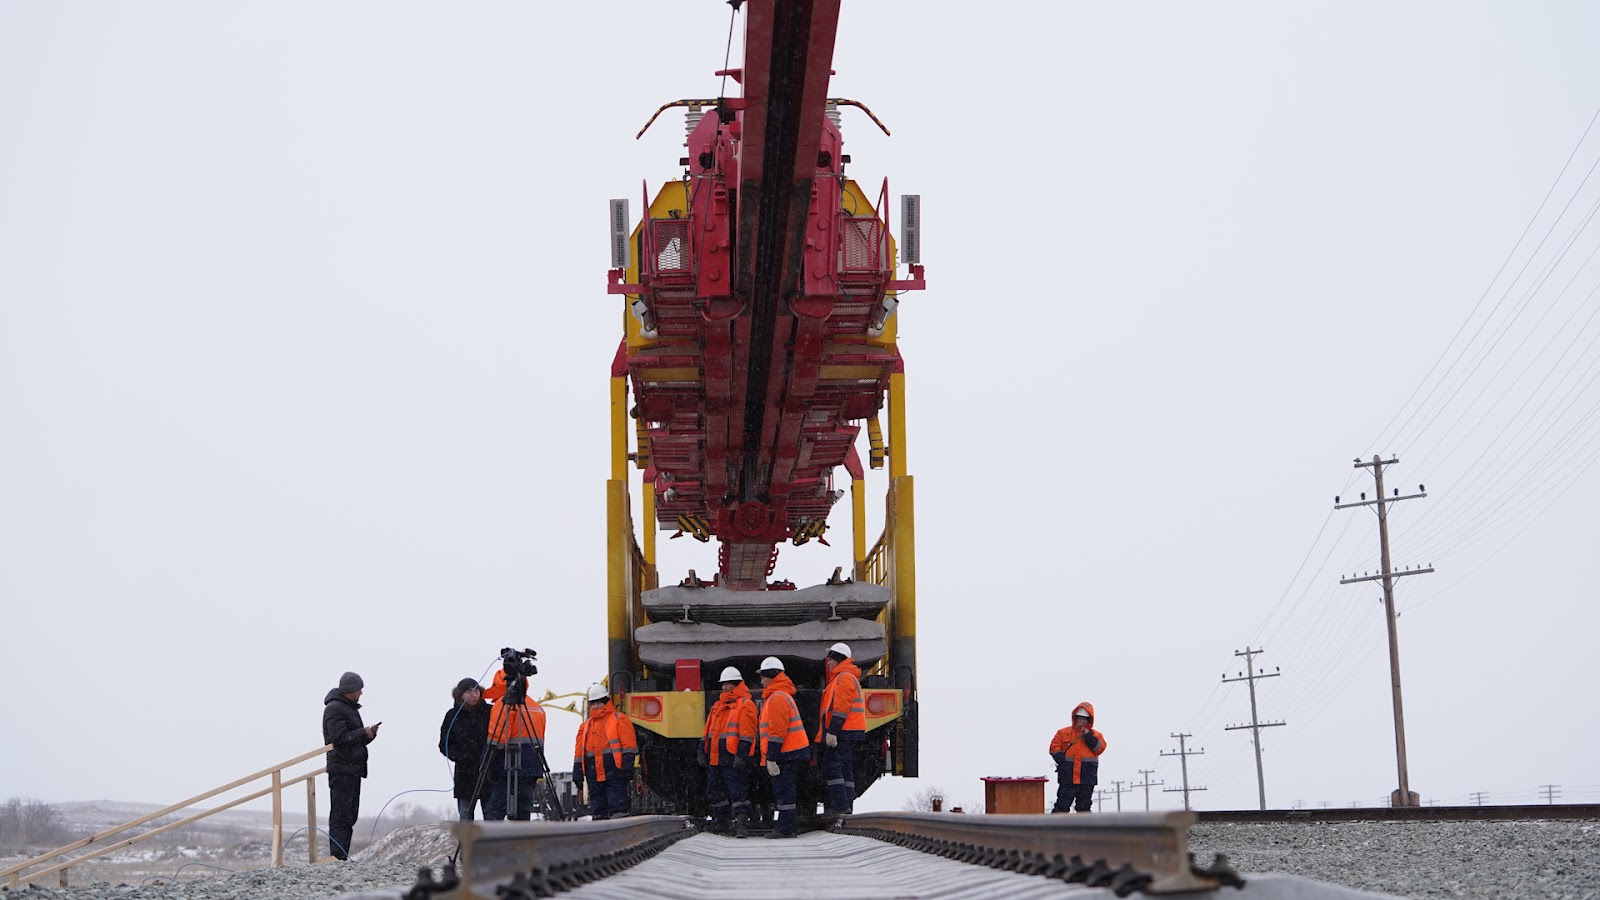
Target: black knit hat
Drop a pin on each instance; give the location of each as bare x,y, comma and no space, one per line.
464,685
350,682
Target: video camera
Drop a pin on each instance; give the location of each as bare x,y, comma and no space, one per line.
518,663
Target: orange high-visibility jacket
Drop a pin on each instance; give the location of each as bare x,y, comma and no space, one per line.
604,731
780,718
843,708
732,722
508,725
1082,747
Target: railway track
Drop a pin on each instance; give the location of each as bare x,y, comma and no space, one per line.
887,854
876,855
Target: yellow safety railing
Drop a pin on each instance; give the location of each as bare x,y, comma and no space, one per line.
17,875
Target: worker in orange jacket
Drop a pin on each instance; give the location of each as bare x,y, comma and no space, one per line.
513,764
841,725
1076,750
725,751
603,755
784,747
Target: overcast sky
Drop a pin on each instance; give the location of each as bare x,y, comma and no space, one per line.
304,344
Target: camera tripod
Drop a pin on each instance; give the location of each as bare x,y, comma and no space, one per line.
515,703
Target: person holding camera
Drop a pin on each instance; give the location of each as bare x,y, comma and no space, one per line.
725,750
347,761
784,748
602,757
1076,750
462,738
516,741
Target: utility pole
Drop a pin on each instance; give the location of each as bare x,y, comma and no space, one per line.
1550,792
1477,797
1100,797
1147,784
1256,724
1183,753
1403,795
1120,791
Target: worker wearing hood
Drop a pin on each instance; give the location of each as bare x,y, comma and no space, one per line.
1076,750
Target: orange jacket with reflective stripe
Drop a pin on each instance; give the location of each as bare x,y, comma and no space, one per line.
604,731
843,708
732,720
506,723
780,717
1082,746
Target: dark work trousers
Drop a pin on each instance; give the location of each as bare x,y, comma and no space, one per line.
839,770
344,806
607,799
465,805
524,763
785,784
1067,792
728,788
494,796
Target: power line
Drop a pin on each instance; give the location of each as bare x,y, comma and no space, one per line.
1490,287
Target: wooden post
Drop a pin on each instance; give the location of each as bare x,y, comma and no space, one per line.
311,819
63,878
277,817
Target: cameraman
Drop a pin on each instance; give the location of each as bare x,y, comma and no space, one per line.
518,729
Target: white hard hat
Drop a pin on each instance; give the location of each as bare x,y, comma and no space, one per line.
1081,711
841,648
771,663
598,692
731,674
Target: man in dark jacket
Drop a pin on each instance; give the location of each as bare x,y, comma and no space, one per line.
462,736
347,761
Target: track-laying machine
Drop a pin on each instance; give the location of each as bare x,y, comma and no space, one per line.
759,320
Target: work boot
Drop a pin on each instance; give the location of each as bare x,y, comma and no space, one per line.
741,825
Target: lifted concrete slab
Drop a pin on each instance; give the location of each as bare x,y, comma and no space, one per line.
664,643
721,606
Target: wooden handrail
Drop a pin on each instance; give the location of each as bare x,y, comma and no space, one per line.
16,879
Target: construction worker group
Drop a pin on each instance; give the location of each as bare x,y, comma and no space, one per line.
742,737
738,736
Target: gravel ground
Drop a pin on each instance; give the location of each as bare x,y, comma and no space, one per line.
1424,859
301,882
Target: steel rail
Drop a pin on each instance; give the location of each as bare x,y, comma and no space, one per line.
1524,812
1125,852
524,860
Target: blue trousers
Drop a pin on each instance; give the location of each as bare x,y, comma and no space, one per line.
607,799
785,790
728,789
839,771
494,797
1067,793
